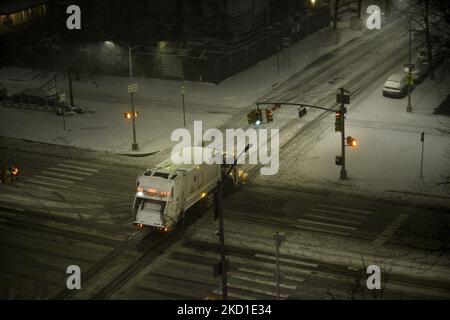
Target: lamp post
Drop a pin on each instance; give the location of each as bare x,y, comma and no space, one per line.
134,145
409,107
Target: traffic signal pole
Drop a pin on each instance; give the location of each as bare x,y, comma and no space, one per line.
134,146
219,212
343,98
343,174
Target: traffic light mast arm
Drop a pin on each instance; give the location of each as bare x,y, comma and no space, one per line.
293,104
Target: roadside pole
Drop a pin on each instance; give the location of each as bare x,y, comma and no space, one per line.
410,82
343,174
182,101
278,61
422,139
134,145
221,268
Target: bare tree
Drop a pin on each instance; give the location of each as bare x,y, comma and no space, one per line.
431,20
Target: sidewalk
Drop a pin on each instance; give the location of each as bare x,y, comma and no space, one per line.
157,101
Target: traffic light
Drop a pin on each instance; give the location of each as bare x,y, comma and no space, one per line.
254,117
269,115
128,115
338,122
352,142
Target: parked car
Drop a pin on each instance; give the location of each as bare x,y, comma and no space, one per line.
395,86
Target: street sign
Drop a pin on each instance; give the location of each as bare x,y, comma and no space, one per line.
407,65
132,88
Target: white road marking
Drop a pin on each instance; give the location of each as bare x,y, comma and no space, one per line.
326,224
270,274
235,295
77,167
260,281
318,216
390,229
307,264
303,227
83,164
11,208
346,209
54,179
71,171
62,175
46,183
350,215
258,291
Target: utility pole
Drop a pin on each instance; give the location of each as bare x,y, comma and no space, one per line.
184,110
279,238
72,103
278,61
410,81
336,9
134,146
222,267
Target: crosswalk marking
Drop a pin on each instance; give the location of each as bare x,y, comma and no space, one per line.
345,209
52,184
340,233
260,281
269,274
326,224
235,295
62,175
255,290
390,230
54,179
307,264
339,213
77,167
71,171
81,163
318,216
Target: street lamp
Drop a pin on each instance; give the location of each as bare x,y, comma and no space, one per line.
409,107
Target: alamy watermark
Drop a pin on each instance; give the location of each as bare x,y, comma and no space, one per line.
264,147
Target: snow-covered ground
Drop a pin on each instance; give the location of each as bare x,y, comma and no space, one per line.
388,157
157,101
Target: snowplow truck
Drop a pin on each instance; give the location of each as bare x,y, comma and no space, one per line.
165,192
